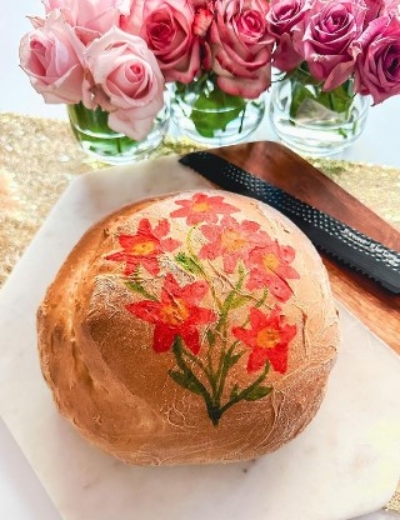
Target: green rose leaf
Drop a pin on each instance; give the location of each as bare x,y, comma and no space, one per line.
213,111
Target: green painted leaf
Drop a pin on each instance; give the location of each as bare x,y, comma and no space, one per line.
187,263
234,392
258,393
185,380
232,360
211,337
239,301
136,286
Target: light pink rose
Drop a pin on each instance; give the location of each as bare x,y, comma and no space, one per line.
241,47
329,37
126,81
166,26
378,64
287,20
90,18
51,56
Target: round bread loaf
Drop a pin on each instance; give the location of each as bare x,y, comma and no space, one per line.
194,328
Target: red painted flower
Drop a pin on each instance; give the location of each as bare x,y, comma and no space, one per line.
232,240
268,337
144,247
202,208
269,267
178,313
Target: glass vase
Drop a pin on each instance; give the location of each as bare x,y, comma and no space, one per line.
96,138
207,115
315,122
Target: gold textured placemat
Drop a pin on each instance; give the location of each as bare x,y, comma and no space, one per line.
39,157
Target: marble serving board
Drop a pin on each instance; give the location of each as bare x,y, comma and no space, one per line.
346,463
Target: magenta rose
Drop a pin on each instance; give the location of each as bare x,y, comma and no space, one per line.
287,20
329,37
90,18
126,81
166,26
241,47
378,64
51,56
377,8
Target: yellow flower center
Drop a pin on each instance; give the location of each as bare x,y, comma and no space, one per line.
267,338
200,206
232,241
271,262
143,248
174,313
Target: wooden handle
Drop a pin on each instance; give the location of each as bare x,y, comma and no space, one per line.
374,306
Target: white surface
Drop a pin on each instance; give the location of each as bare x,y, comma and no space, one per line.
21,496
346,463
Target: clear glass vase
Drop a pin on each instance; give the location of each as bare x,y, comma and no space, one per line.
96,138
203,112
315,122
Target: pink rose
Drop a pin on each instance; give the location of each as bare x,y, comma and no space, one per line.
166,26
287,20
329,37
90,18
377,8
126,81
50,55
378,64
241,47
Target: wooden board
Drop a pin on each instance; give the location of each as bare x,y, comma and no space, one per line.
373,305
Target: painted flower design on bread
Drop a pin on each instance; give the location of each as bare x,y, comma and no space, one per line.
219,309
202,208
178,313
144,247
268,337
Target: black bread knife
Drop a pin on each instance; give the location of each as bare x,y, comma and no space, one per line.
340,241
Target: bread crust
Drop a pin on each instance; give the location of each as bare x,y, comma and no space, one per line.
100,324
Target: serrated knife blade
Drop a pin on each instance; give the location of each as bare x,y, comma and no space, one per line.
340,241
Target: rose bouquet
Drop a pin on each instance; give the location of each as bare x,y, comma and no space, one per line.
110,61
331,55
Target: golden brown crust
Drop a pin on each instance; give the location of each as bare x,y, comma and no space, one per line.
98,346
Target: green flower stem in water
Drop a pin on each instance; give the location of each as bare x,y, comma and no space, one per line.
306,87
90,127
213,108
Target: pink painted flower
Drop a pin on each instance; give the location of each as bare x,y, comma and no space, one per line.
178,313
378,64
287,20
241,47
268,337
270,268
51,55
129,79
202,208
145,247
329,38
167,28
90,18
231,240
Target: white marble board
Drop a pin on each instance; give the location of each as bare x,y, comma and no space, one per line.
346,463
